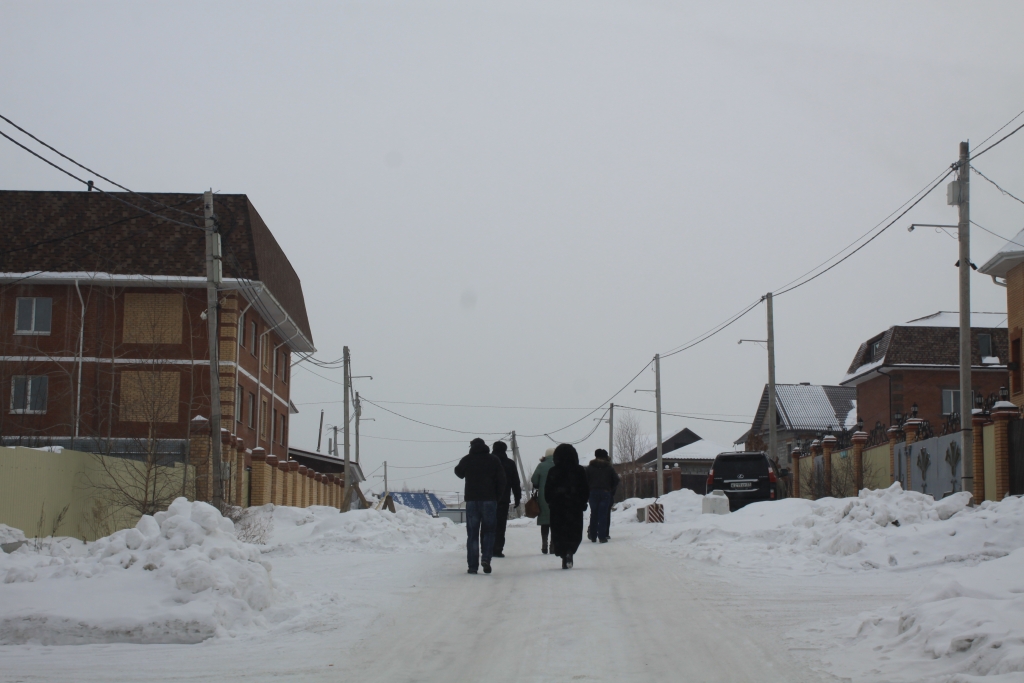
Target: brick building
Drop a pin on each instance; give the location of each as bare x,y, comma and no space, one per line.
918,363
1008,264
103,336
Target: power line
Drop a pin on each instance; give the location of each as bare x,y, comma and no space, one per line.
387,438
715,330
1007,193
978,154
996,234
451,405
1000,128
689,417
423,467
447,429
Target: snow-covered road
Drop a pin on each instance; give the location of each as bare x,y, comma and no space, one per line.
622,614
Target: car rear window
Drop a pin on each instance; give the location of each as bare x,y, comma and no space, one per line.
751,465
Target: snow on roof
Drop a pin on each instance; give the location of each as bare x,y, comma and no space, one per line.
1006,258
952,319
698,450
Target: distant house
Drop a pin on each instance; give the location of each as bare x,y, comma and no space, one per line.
1008,264
918,364
687,467
803,413
326,464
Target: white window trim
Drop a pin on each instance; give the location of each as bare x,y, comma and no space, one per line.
33,332
28,396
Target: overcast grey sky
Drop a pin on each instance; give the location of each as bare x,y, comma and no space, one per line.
521,203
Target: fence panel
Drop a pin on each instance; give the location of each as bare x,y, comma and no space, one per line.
1016,438
989,449
876,467
933,466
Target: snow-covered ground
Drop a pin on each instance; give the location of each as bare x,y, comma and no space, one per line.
889,586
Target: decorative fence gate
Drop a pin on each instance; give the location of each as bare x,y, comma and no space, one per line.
933,466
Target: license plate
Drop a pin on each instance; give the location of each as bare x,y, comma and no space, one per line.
744,485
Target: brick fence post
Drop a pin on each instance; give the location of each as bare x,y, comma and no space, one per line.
978,455
828,444
199,457
260,480
893,434
859,439
815,451
1002,413
796,473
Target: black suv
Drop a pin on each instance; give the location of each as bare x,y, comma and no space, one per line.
744,477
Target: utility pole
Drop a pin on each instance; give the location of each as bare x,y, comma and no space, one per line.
528,484
962,194
348,468
611,430
773,443
214,275
657,401
359,413
320,434
385,476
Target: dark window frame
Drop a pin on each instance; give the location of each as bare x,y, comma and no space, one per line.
34,321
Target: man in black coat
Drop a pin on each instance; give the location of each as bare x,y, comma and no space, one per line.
567,493
485,482
512,486
603,480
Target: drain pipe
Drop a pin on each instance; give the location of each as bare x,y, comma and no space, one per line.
81,351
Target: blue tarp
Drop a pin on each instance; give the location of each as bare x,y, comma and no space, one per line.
427,502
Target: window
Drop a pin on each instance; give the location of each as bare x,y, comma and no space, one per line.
265,353
252,337
239,395
284,366
263,419
28,394
252,410
280,433
951,401
32,315
985,345
277,362
875,350
241,333
273,427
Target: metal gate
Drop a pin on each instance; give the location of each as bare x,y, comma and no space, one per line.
1016,438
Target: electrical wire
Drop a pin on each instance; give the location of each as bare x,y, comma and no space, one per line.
448,405
715,330
1008,194
388,438
689,417
1000,128
57,151
1012,132
447,429
423,467
996,234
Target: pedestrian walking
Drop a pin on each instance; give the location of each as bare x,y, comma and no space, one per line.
540,480
512,488
485,482
567,493
602,480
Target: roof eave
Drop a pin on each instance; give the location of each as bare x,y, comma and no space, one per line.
1002,263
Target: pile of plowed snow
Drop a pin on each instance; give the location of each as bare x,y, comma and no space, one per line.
178,576
882,529
326,530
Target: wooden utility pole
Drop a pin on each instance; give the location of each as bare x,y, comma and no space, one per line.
214,276
611,431
385,477
348,468
773,446
962,195
657,401
527,483
359,414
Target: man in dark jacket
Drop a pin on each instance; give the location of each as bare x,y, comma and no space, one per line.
603,480
485,482
512,486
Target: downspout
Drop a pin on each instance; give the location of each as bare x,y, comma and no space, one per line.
81,351
996,280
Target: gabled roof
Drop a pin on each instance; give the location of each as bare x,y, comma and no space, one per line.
678,440
807,407
90,234
932,341
1011,254
698,450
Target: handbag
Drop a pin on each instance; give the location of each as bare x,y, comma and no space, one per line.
532,509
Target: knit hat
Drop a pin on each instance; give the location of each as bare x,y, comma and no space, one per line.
499,447
601,453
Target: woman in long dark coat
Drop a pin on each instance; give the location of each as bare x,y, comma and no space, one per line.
567,493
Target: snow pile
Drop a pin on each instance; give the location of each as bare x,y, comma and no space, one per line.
882,529
8,534
327,530
179,576
965,620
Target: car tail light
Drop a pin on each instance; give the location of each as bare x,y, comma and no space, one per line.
773,494
771,476
711,478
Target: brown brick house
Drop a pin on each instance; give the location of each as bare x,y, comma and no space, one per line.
918,363
1008,264
103,338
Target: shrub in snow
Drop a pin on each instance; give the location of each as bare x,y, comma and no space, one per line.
178,576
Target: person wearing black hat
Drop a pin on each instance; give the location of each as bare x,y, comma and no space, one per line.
567,493
512,486
603,480
485,482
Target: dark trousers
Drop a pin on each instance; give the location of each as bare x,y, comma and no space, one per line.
480,531
600,514
500,523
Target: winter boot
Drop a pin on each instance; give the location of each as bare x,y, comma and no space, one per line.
544,546
471,571
567,562
487,567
